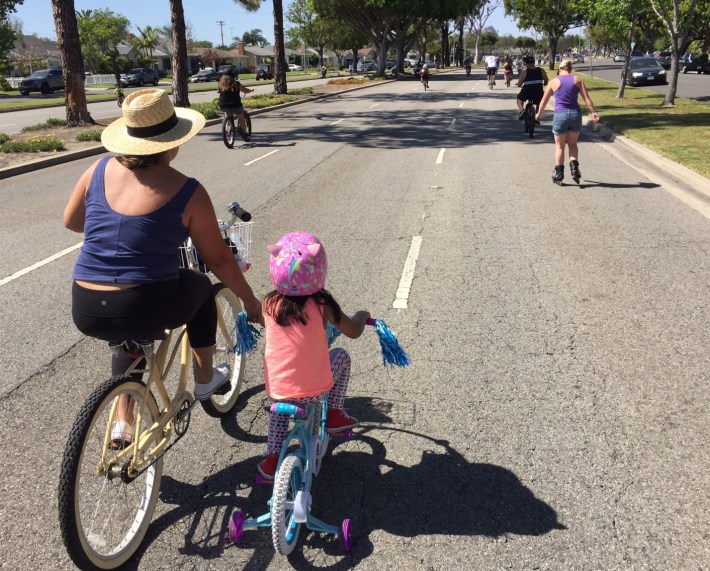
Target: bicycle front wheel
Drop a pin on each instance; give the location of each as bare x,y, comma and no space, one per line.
228,134
245,135
531,120
103,512
228,308
284,529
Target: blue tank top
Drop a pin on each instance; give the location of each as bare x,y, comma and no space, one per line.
131,249
566,95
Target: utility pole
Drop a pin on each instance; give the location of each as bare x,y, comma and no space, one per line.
221,32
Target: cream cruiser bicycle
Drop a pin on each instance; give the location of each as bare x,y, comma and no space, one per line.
109,484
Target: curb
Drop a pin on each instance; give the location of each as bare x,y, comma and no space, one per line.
683,182
99,149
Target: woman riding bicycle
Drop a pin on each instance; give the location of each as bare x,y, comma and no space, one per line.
230,99
135,210
532,81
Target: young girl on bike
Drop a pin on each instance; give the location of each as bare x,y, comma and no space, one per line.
298,367
230,100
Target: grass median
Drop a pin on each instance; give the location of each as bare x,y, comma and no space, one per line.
679,133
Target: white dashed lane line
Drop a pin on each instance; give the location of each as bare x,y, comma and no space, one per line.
375,105
452,123
44,262
440,156
405,282
336,122
261,157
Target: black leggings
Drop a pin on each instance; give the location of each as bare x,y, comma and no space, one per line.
144,312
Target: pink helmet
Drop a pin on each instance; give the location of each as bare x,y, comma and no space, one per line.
298,264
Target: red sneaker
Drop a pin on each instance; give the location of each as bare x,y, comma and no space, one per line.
339,420
267,467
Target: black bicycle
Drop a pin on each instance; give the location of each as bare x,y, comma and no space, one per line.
530,117
230,127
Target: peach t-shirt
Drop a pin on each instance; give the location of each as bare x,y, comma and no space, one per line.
296,359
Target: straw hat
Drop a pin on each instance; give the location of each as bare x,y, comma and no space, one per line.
150,125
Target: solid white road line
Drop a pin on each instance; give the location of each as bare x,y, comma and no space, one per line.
405,282
44,262
440,156
261,157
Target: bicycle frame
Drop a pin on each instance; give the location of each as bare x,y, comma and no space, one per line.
150,443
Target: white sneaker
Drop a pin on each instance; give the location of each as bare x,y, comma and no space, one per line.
121,434
220,375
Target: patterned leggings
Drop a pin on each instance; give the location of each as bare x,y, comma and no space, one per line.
278,422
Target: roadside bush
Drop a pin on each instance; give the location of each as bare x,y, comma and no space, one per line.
92,135
5,85
208,109
48,123
4,138
33,145
301,91
346,81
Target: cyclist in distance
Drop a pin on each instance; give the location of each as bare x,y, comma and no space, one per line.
230,99
492,63
532,81
424,74
135,210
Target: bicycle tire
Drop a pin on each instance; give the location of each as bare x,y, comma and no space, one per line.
228,308
284,530
530,119
247,120
85,497
228,135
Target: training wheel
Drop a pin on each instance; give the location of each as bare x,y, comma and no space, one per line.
346,536
236,526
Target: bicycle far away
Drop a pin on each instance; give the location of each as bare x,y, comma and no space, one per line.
109,482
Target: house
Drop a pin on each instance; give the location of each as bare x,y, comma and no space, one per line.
363,54
31,53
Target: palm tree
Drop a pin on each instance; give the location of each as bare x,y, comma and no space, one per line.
180,87
150,37
72,63
254,38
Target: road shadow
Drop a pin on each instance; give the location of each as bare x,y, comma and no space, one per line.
441,493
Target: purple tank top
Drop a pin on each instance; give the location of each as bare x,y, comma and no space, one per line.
566,95
131,249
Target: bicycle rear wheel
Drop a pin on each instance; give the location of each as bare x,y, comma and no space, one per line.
104,513
228,308
530,119
284,529
228,134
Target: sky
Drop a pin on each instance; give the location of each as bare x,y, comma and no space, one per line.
202,15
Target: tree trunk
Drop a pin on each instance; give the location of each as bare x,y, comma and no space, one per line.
444,44
462,50
627,58
181,92
72,63
280,87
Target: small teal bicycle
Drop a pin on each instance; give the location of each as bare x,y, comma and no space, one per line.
290,504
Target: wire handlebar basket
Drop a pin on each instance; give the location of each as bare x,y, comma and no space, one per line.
237,237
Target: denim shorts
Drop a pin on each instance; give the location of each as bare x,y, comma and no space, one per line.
565,121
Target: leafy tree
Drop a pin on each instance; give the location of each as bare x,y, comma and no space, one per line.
149,40
477,19
212,57
65,22
677,16
552,18
9,30
100,32
254,38
202,44
525,44
310,28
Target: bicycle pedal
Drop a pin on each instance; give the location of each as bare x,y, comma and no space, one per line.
261,481
344,435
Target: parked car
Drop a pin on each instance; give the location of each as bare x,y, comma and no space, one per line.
417,70
139,76
664,58
233,69
619,57
206,74
645,71
697,62
294,67
577,58
43,80
365,65
264,71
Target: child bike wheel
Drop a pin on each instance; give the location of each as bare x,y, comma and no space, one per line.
104,513
228,308
284,529
228,135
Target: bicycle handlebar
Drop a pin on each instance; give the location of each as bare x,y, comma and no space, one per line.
238,212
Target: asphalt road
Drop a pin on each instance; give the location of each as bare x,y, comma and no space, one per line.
555,415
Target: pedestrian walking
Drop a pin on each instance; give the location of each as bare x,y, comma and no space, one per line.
567,120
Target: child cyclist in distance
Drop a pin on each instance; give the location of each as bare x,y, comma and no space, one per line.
298,366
